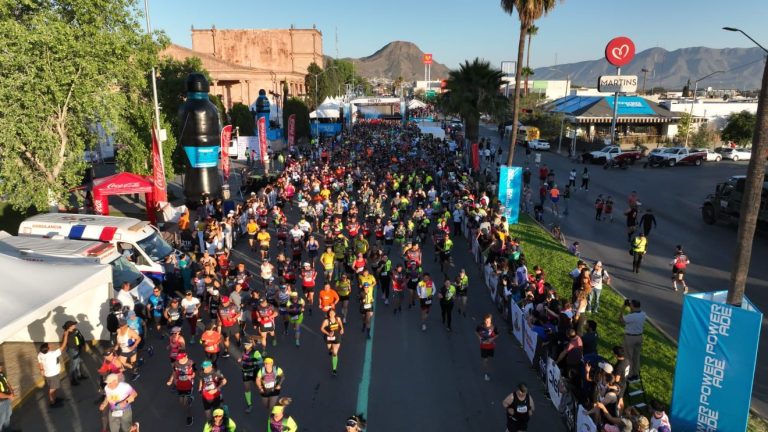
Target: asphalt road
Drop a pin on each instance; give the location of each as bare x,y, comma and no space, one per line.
675,195
418,380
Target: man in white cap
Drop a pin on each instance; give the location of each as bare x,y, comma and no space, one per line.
118,397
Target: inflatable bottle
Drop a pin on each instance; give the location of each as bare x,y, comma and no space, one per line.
200,138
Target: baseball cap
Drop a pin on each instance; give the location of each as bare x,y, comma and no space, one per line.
181,355
111,378
269,360
206,364
225,299
606,367
294,294
278,409
68,324
218,412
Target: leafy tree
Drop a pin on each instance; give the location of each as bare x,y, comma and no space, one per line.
684,126
473,89
243,118
66,66
313,70
705,137
527,11
298,107
740,128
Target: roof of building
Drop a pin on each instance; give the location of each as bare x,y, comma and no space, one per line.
599,109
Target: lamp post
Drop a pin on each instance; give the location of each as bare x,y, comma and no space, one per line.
750,202
316,104
562,122
695,90
645,72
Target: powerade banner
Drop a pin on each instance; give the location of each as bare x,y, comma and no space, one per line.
261,126
631,105
716,360
510,180
202,157
326,128
226,138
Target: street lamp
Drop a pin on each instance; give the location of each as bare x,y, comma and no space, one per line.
695,90
562,121
316,104
753,186
645,72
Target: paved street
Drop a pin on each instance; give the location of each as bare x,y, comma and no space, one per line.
418,381
675,195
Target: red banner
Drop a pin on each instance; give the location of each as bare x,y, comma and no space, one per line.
291,130
262,126
158,173
226,138
476,157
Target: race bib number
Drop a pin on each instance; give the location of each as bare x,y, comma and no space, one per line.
428,301
522,409
331,338
117,413
383,273
367,306
269,385
267,325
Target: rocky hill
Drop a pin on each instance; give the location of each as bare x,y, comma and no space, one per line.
395,59
743,68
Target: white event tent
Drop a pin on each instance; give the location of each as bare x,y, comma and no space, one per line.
328,109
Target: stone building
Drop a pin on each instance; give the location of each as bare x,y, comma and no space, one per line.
241,62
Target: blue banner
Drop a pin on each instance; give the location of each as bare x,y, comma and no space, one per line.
202,157
510,185
274,134
325,128
631,105
716,359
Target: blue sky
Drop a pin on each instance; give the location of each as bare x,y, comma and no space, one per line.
455,30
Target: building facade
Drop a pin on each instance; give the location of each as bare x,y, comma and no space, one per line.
241,62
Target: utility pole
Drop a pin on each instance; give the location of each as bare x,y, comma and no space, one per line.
645,72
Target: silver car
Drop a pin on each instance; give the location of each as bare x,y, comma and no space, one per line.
736,154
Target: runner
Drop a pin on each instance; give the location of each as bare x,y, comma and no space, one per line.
211,340
220,422
191,306
327,259
278,421
519,409
462,283
328,298
398,285
269,380
211,382
250,361
295,311
367,298
679,263
312,247
229,322
425,291
182,378
173,313
176,344
344,289
308,276
333,329
128,342
119,397
384,270
447,295
156,304
264,238
282,298
487,335
265,322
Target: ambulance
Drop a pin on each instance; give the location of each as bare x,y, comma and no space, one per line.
58,250
140,242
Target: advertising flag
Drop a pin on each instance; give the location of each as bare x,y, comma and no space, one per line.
510,179
158,173
262,126
226,138
291,130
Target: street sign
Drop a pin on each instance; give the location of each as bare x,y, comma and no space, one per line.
430,94
508,68
620,51
427,59
617,83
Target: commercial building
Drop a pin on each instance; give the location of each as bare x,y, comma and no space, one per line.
714,111
241,62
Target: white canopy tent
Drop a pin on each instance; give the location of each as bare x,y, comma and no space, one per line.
328,109
38,298
415,103
432,128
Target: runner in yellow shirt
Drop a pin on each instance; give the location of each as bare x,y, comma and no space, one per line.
252,228
327,260
263,237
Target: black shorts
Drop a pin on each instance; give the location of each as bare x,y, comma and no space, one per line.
678,271
336,340
343,297
516,424
180,392
251,236
486,352
228,331
425,304
211,404
264,247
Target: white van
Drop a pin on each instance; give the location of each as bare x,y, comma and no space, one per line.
58,250
137,240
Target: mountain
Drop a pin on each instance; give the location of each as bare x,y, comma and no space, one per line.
743,68
396,59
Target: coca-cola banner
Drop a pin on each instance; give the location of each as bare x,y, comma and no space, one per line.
158,173
262,126
292,130
226,138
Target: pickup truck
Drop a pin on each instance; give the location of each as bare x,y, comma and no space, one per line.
611,152
677,156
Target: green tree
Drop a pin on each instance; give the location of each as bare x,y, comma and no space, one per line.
298,107
243,118
705,137
532,31
740,128
527,11
684,126
472,90
66,66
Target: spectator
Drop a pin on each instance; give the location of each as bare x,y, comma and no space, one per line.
659,420
621,369
634,322
48,362
7,395
573,354
590,339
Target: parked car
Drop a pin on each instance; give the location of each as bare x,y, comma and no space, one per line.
737,154
710,155
538,145
656,151
610,152
676,156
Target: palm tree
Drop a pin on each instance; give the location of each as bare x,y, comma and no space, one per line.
526,72
471,90
532,31
528,11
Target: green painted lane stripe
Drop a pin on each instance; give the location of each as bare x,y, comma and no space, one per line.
365,380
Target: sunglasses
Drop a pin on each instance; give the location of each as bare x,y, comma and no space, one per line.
351,423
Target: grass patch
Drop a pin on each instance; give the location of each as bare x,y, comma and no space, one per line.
658,357
659,353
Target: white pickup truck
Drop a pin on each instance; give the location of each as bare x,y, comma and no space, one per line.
677,156
612,153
